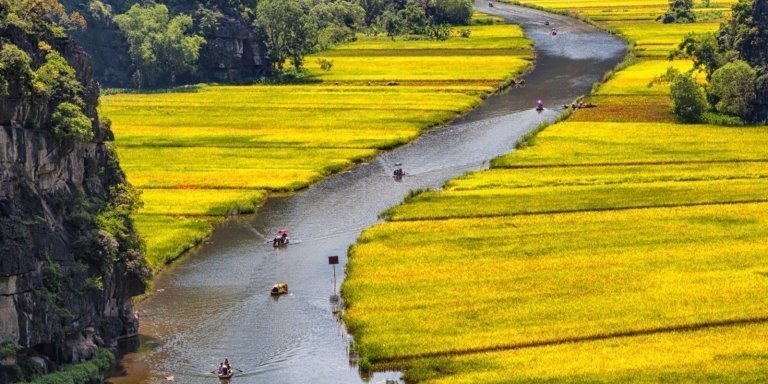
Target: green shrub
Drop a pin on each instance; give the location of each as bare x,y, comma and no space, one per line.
688,99
69,122
91,371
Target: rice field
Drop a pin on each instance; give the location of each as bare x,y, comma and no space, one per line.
619,246
734,354
202,152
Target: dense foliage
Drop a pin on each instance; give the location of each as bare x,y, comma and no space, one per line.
688,99
160,46
43,75
737,54
293,28
91,371
680,11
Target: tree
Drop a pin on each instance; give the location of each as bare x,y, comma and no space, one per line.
744,37
733,87
288,30
454,12
680,11
392,23
159,45
414,18
336,22
373,9
688,100
747,32
15,67
705,51
56,81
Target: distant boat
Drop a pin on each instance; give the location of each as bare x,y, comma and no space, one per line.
279,289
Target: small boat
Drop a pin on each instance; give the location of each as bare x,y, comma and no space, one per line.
279,289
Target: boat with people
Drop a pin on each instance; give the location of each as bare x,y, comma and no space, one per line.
225,370
281,238
279,289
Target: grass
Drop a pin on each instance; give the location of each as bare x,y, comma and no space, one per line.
214,150
620,246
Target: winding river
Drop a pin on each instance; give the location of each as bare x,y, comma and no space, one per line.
216,303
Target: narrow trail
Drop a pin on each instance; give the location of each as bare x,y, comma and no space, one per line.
216,303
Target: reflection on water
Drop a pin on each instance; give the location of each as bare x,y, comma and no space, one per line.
216,303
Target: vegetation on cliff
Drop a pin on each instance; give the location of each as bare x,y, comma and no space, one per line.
71,257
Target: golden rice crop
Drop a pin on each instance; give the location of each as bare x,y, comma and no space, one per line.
507,202
228,168
507,178
425,68
582,143
635,79
166,237
461,285
202,202
469,292
714,355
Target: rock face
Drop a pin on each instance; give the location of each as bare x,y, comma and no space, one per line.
70,260
232,51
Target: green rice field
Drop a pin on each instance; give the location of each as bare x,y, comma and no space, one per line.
203,152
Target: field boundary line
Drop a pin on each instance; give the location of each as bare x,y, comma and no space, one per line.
639,163
401,360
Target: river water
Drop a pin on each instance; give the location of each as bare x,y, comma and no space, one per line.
215,302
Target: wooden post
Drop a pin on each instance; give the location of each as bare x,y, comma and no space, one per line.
333,260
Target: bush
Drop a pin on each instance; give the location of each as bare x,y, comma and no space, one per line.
689,102
733,88
91,371
325,64
70,123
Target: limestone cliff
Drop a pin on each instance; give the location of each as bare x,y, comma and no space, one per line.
70,260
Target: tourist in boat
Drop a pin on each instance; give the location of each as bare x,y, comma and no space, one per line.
539,105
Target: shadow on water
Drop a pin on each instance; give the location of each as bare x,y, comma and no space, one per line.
216,302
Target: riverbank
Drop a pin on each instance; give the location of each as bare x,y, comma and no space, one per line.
618,246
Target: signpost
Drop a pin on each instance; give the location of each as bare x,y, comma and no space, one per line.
333,260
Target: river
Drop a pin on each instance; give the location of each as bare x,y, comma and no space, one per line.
215,302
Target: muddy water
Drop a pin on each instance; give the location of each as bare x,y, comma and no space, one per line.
215,303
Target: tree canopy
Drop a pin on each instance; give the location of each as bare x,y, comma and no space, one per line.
159,45
739,49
